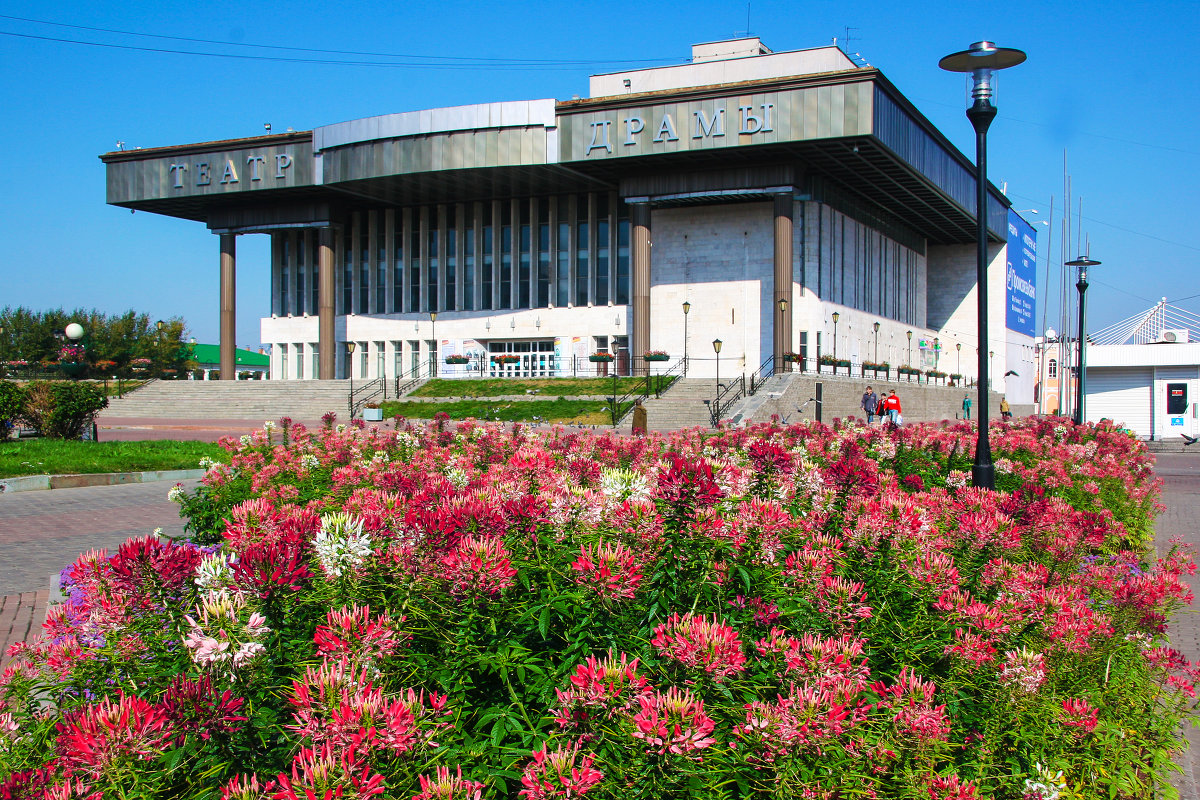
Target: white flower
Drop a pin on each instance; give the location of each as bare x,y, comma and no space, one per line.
309,461
457,476
341,544
624,484
175,493
208,464
212,572
957,479
245,440
340,427
269,426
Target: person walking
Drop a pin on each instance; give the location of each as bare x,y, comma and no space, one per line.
966,406
639,418
870,404
1005,410
891,406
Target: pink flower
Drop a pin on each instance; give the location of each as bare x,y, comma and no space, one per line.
555,774
112,734
246,787
478,566
951,787
444,786
697,641
600,687
354,633
673,722
1078,714
329,771
612,570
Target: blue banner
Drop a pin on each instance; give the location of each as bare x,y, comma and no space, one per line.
1022,274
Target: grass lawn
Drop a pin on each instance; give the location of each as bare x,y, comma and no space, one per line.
497,387
576,412
57,457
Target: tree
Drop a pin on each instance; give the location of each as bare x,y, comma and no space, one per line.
30,336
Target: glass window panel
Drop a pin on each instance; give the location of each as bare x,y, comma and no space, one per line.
601,261
581,262
488,243
523,272
347,274
469,259
542,300
380,267
564,264
364,269
398,264
285,254
431,260
506,255
414,264
451,260
623,260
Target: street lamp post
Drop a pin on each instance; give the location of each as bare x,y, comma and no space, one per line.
717,350
908,361
937,352
958,347
686,308
1082,263
876,327
981,59
782,364
835,320
350,365
433,357
991,355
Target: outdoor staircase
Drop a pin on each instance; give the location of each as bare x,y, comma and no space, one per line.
681,406
247,400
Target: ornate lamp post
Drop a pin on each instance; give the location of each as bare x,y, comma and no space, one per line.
981,60
908,361
1082,263
783,365
876,327
958,347
937,352
433,356
835,319
991,355
686,308
717,350
350,365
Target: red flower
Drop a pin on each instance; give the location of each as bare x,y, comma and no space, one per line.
112,733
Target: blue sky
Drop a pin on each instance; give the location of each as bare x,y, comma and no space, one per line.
1113,85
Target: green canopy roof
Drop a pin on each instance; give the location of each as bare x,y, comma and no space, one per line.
211,354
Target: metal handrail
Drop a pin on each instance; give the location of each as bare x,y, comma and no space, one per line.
762,374
727,395
405,381
642,387
365,393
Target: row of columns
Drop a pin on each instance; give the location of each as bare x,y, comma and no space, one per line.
327,353
641,256
781,316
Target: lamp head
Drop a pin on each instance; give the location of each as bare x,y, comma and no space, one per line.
717,346
159,325
909,335
876,327
1082,263
783,304
74,331
433,316
835,316
981,59
686,307
349,347
958,346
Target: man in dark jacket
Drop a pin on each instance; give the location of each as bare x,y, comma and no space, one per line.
870,404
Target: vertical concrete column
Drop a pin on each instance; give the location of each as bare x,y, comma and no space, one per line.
228,306
640,340
326,351
783,281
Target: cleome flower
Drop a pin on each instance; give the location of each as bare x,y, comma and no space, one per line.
219,639
329,771
599,689
444,786
478,566
106,738
697,641
612,570
1080,715
341,545
352,632
555,774
1023,670
673,722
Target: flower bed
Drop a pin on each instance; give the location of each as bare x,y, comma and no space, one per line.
802,611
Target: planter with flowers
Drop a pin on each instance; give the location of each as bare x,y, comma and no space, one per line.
905,369
656,355
935,375
140,365
601,357
457,358
372,412
506,358
876,367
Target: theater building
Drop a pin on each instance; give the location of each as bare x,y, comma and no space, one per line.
796,201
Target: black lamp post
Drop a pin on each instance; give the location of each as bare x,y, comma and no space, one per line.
991,355
937,352
1082,263
350,365
981,60
908,361
686,308
433,357
782,363
835,319
876,327
958,347
717,350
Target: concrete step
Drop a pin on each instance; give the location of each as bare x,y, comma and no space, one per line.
233,400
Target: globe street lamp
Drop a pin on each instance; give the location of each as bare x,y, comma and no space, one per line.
686,308
981,59
876,327
1082,263
835,319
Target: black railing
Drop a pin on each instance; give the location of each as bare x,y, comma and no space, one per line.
620,406
762,375
727,394
365,392
405,381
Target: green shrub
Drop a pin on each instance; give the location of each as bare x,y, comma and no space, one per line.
12,399
61,409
